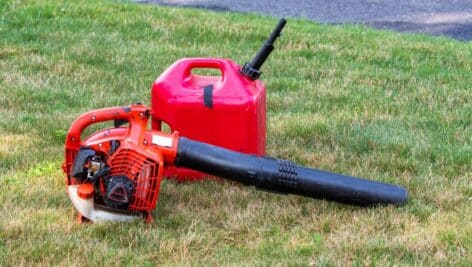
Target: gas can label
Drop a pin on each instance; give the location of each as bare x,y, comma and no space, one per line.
162,141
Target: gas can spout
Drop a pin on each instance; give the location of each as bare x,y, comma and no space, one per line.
252,70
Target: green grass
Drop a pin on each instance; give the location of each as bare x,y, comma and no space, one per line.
387,106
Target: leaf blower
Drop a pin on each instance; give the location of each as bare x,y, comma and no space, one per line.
115,173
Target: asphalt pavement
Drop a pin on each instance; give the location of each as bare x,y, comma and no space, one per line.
451,18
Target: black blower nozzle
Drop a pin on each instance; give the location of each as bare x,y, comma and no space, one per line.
252,69
284,176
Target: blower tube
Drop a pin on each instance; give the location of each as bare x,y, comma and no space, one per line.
284,176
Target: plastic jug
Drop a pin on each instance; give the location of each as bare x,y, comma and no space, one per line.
227,110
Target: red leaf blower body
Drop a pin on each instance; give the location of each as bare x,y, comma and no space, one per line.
115,174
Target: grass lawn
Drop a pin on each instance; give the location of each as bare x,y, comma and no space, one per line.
386,106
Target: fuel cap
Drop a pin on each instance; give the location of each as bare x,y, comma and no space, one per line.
85,191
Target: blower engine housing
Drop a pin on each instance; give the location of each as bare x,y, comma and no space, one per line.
118,169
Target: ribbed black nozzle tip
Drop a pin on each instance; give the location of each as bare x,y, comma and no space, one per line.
250,72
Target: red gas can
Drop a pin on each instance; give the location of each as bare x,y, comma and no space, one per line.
227,110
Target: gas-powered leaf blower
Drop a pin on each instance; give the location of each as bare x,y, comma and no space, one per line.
115,174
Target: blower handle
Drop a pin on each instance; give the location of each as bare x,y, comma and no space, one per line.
252,70
284,176
136,115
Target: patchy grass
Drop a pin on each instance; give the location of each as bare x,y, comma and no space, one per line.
377,104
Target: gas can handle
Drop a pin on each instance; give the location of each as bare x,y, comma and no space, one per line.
226,68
